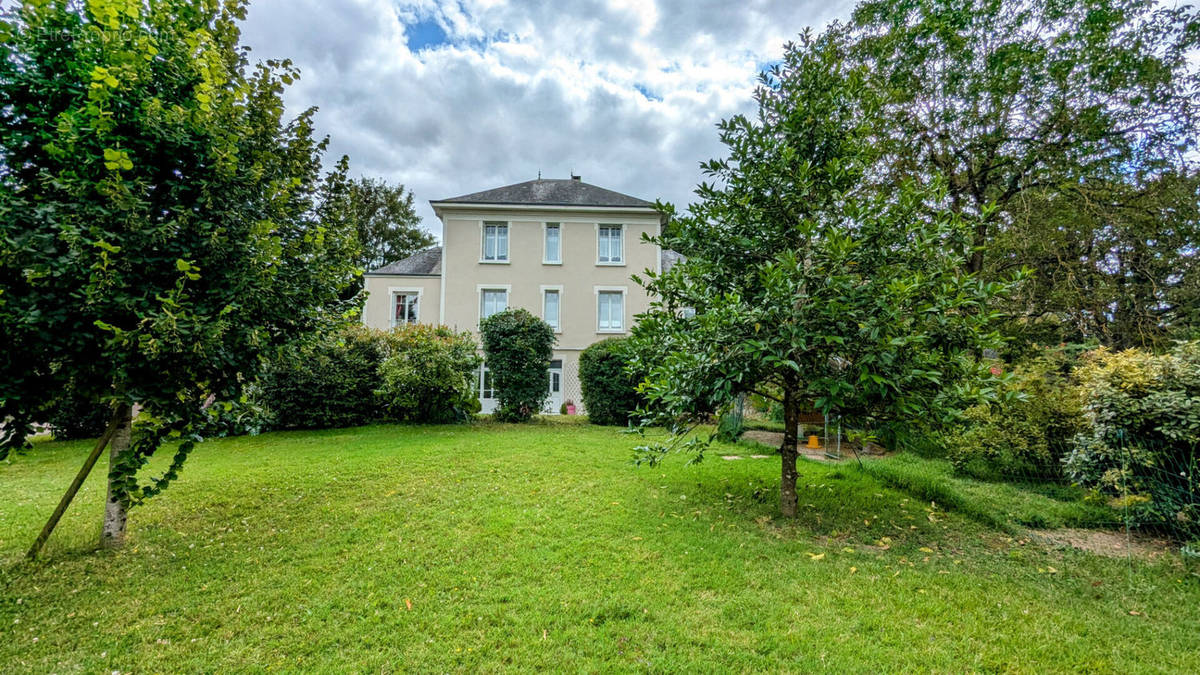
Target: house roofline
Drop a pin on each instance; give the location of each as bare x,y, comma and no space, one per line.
395,274
439,205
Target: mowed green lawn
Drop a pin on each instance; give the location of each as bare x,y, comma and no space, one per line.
542,547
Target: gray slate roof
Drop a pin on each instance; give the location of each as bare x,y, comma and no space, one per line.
422,263
550,192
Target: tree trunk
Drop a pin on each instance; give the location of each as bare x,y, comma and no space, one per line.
73,489
113,533
787,453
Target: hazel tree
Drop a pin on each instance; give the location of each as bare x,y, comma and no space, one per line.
160,225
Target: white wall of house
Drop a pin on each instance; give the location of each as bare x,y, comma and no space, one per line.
380,308
495,257
525,276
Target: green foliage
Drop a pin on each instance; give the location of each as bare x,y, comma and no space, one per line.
387,225
428,375
1143,440
161,222
1069,129
1026,433
72,417
328,382
805,281
518,347
609,387
360,375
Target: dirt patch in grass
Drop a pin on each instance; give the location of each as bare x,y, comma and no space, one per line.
1109,543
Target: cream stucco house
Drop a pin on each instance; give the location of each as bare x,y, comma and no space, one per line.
563,249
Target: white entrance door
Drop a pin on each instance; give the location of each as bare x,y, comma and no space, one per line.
487,392
555,401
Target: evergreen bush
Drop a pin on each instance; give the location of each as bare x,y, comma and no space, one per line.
609,390
518,347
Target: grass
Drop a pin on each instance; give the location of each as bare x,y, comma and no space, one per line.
540,547
1003,505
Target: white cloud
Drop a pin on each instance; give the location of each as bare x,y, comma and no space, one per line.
624,92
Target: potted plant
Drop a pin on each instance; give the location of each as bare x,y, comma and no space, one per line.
568,407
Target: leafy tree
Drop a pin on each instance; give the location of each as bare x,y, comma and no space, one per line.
518,347
160,225
609,389
1067,130
1116,265
808,285
388,226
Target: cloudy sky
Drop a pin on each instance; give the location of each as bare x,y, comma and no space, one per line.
455,97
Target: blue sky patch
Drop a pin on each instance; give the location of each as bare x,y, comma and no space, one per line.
647,93
425,34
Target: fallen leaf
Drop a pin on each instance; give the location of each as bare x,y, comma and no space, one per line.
925,549
853,569
816,556
408,604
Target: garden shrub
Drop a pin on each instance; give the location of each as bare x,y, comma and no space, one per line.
1027,433
609,389
518,347
427,375
327,382
73,417
1142,444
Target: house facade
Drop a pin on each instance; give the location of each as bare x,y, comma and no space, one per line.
562,249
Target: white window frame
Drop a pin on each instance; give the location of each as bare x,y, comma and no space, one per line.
610,263
545,248
393,291
624,291
559,290
481,381
479,289
483,226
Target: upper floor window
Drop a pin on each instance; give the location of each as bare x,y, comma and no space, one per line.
404,308
551,307
610,310
495,242
491,301
609,245
553,250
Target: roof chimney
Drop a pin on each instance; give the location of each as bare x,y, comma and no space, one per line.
578,178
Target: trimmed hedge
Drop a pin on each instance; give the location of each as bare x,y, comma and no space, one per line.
609,392
518,347
360,375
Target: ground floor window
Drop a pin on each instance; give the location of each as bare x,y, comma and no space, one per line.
405,307
485,386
